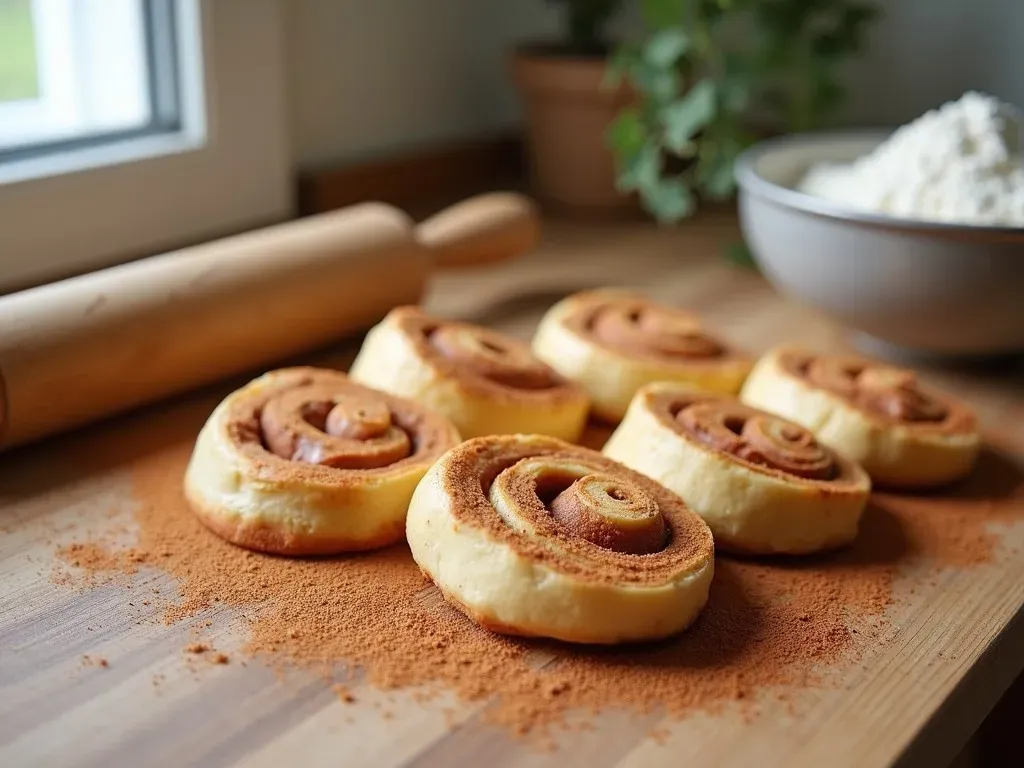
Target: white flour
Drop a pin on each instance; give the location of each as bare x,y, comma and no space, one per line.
959,163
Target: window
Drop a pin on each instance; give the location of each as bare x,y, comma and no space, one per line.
84,71
131,126
87,73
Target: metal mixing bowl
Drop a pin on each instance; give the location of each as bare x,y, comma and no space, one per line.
923,288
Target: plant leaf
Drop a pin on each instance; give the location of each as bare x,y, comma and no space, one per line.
663,13
736,94
665,47
657,83
737,82
627,133
669,200
717,160
621,64
642,170
719,181
688,115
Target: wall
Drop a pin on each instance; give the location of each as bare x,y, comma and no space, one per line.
369,78
925,52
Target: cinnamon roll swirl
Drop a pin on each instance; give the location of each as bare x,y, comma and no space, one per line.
762,484
615,341
302,461
904,433
529,535
485,382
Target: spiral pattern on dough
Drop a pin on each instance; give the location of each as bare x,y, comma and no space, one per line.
880,389
634,325
485,382
515,529
755,436
903,432
491,356
763,484
613,342
319,423
304,461
323,419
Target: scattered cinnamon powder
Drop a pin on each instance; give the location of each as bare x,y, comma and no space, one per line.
344,694
97,560
770,626
220,658
196,648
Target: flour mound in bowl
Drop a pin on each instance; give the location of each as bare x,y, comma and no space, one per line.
960,163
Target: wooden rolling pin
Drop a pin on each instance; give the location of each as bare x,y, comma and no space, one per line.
84,348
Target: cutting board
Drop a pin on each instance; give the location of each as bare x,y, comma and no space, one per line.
92,675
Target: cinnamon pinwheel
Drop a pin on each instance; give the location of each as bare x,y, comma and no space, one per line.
904,433
763,484
529,535
615,341
302,461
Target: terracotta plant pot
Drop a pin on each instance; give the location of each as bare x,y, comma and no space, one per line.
568,109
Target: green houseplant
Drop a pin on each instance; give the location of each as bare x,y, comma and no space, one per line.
568,109
710,75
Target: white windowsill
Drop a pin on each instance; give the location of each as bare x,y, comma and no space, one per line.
88,158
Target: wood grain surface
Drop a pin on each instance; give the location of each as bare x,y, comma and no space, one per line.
953,641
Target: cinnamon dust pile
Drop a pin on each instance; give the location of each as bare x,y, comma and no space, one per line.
770,626
94,557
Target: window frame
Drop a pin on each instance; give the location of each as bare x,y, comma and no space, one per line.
227,167
55,20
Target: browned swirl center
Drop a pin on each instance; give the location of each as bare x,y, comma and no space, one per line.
757,437
634,325
491,356
317,425
610,512
889,391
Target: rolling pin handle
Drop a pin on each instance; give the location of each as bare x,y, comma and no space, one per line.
484,229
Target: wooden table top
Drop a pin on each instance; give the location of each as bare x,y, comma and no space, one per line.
952,647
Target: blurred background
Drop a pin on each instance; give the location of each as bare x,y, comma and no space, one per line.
447,58
139,125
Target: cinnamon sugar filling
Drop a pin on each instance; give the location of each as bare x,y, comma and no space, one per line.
311,421
574,510
498,366
491,356
883,391
758,439
636,326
